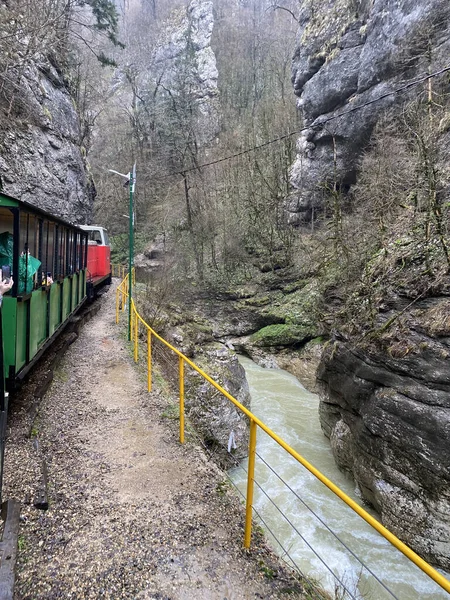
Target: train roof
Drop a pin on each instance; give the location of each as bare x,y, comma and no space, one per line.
11,202
92,227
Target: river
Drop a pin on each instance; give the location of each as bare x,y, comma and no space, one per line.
281,402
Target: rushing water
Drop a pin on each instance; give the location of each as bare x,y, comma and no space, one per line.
284,405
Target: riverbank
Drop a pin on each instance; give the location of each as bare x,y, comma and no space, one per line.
132,513
318,520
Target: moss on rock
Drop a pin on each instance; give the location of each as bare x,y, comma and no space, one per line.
283,334
301,307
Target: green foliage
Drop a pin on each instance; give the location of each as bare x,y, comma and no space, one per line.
106,61
106,18
222,487
398,224
172,412
267,571
120,247
21,543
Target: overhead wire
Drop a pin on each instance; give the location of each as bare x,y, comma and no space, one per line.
316,124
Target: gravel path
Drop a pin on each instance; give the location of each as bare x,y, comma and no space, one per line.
132,513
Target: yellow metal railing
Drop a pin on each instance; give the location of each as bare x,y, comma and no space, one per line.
121,295
121,272
118,271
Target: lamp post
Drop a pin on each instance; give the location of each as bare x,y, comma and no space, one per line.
131,182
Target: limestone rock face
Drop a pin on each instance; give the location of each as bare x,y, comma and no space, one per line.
349,53
41,160
388,420
223,427
184,64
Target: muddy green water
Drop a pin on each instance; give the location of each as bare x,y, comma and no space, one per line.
289,410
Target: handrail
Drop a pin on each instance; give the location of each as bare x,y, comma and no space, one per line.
118,270
254,421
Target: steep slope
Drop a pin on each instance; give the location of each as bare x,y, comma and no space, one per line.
41,158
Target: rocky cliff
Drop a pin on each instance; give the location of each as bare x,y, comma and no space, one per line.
384,378
183,68
41,159
387,415
349,53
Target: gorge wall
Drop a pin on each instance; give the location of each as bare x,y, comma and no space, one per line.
183,69
348,54
42,160
385,403
388,420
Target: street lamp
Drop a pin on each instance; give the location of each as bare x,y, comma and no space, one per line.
131,181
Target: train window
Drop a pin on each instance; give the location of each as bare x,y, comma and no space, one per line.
82,251
57,241
51,244
6,230
95,235
61,253
67,255
70,252
29,264
106,237
86,243
48,244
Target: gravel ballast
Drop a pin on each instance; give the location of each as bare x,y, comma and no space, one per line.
132,512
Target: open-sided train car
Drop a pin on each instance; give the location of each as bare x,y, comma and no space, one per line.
53,264
47,257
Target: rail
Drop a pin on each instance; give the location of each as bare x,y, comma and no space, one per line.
255,423
118,271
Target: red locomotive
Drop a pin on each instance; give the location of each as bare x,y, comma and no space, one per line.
98,259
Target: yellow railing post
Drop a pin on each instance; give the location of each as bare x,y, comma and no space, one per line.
250,482
149,360
181,372
117,304
136,335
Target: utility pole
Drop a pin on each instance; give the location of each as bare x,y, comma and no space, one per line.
131,182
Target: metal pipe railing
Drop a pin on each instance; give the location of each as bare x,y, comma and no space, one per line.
254,423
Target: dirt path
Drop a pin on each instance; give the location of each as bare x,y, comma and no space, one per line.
132,514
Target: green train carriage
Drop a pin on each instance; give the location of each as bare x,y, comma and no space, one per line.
47,257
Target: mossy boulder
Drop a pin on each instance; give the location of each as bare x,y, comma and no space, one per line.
283,334
301,307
